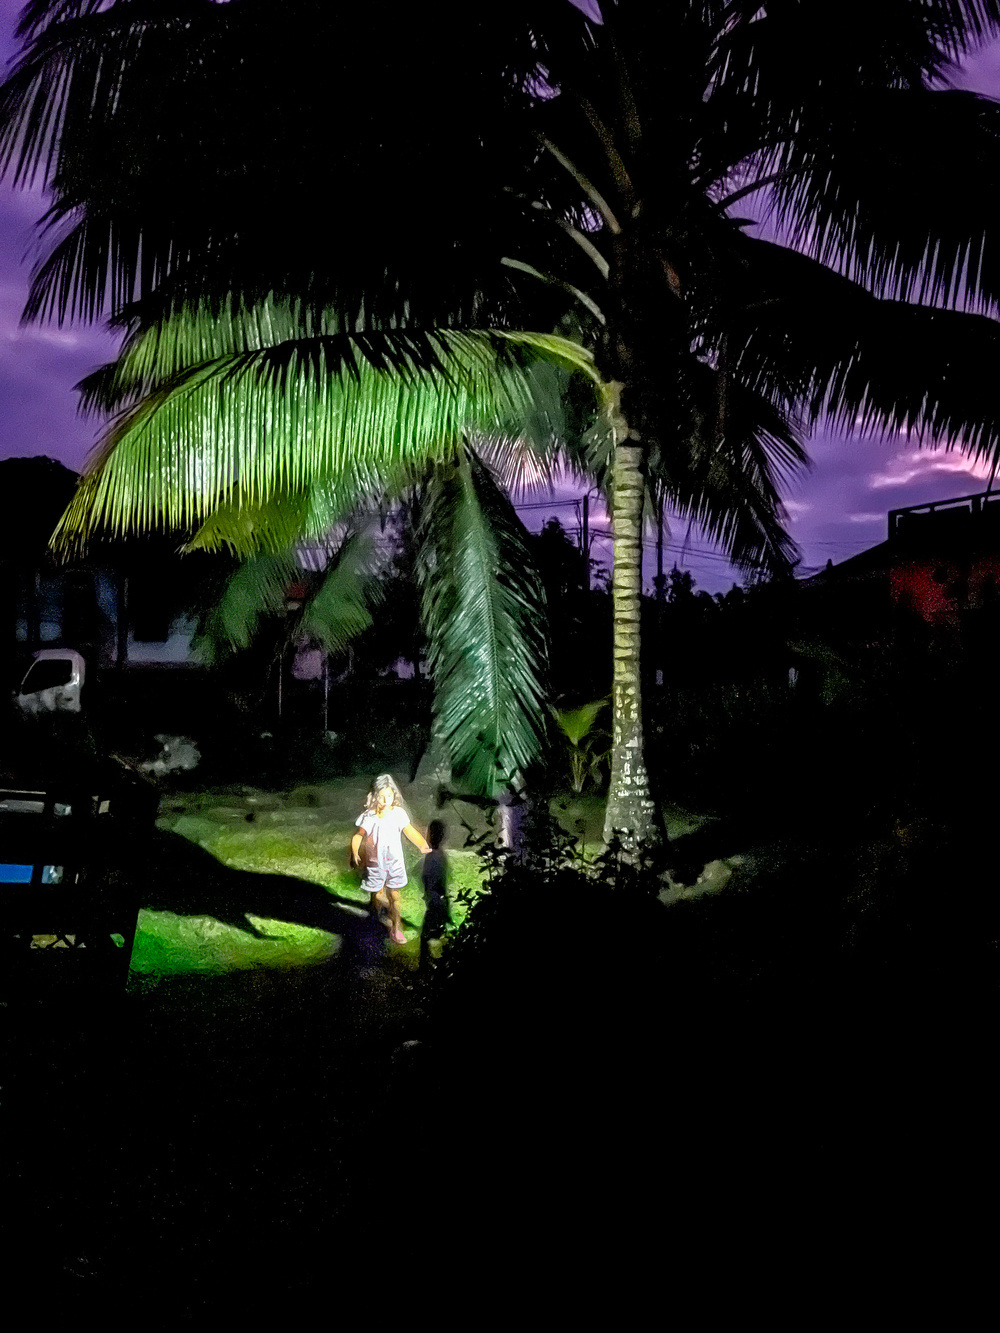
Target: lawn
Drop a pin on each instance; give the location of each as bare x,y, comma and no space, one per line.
301,835
298,839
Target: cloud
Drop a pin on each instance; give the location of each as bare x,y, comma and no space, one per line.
916,464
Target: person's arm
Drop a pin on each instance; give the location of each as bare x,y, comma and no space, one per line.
356,848
417,838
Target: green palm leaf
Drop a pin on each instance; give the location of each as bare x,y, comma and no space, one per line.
341,607
356,413
159,349
577,723
273,525
338,606
483,609
255,591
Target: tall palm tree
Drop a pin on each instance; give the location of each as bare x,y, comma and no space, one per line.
586,180
267,383
873,306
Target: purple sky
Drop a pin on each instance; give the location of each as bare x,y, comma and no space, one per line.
38,365
836,511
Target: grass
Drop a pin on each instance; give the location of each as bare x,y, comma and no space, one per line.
303,834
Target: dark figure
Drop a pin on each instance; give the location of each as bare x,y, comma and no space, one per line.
435,881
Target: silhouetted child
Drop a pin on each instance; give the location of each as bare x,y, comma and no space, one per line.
435,881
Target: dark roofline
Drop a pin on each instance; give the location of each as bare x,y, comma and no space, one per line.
875,560
975,504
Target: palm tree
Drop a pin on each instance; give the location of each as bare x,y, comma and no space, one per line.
587,181
866,309
291,349
265,388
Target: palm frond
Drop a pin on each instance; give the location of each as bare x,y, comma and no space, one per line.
895,189
201,332
337,607
173,121
355,413
577,723
483,610
38,15
255,591
870,366
85,65
272,525
341,606
730,480
897,43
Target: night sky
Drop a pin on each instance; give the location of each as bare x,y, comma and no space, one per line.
838,510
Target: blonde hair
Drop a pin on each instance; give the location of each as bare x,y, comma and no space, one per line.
382,781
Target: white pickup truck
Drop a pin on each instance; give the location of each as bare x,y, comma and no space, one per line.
53,683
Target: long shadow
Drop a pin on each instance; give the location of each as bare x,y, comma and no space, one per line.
175,875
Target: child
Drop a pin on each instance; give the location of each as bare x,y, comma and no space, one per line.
435,878
377,848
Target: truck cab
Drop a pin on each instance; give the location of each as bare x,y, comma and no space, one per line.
53,683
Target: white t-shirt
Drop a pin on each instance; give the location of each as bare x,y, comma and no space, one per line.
387,834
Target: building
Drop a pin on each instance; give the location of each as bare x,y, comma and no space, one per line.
939,565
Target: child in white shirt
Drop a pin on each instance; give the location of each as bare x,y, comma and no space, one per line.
377,848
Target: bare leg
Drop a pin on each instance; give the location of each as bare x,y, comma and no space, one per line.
395,920
380,904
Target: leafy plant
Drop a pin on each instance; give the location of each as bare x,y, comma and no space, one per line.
588,746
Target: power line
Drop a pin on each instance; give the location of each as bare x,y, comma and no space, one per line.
649,543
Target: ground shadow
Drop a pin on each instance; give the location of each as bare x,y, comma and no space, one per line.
176,875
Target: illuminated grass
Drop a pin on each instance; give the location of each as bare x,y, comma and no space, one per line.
167,944
299,843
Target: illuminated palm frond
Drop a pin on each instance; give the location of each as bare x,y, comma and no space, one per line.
484,615
336,608
256,591
349,415
342,605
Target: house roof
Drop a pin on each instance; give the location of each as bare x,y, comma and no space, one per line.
876,560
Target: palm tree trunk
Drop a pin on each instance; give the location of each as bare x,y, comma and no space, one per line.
631,814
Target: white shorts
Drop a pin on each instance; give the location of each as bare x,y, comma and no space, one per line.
376,879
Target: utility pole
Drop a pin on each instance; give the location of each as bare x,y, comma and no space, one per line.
659,551
661,591
585,542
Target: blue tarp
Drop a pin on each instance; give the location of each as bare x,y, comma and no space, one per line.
15,874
